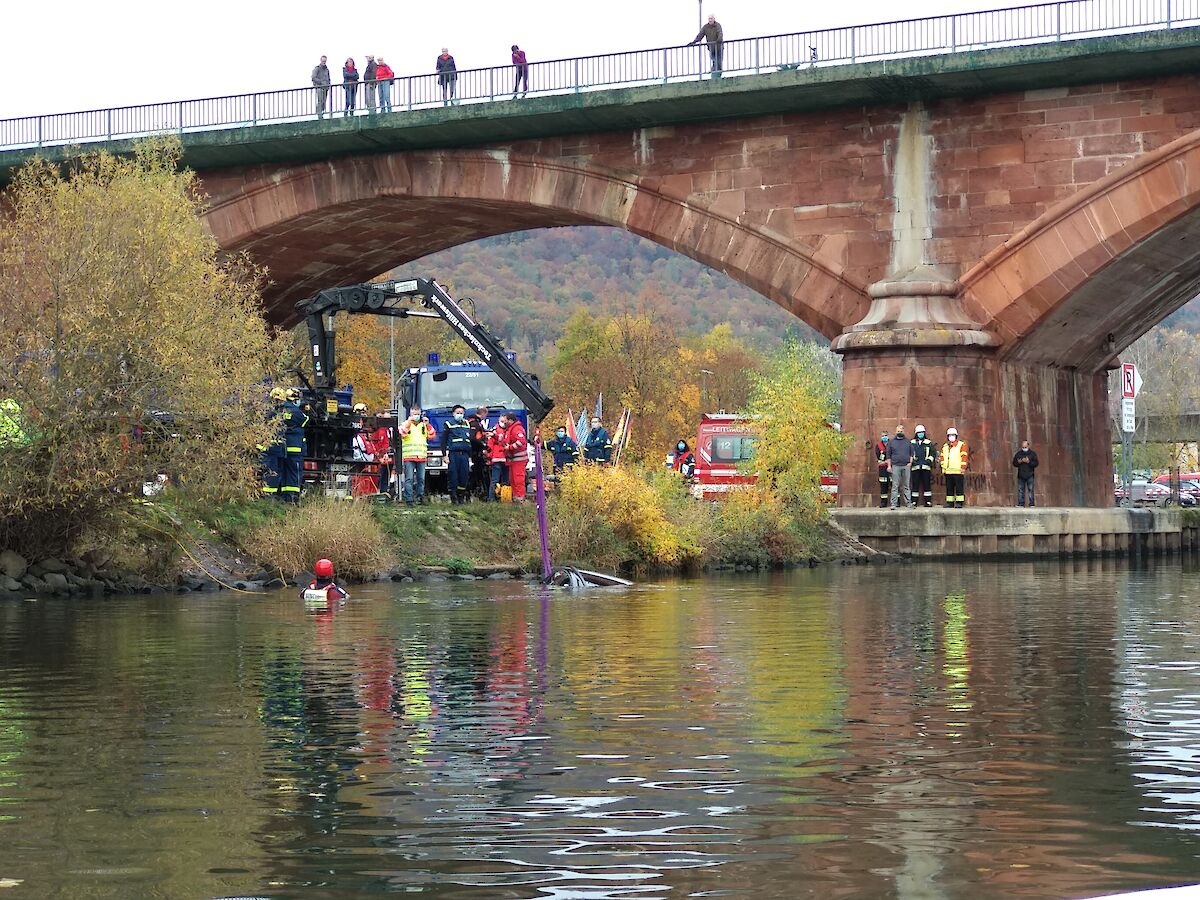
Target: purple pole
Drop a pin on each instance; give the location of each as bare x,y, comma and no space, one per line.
543,530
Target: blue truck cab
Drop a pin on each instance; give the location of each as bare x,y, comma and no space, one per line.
438,387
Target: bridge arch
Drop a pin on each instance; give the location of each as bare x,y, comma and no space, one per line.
1096,271
335,222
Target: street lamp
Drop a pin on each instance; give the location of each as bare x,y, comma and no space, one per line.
701,19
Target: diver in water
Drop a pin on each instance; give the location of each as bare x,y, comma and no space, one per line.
323,590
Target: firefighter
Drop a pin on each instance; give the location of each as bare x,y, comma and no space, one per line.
564,449
414,452
597,446
516,455
294,422
922,468
456,444
273,451
954,459
885,473
682,459
480,468
381,443
323,592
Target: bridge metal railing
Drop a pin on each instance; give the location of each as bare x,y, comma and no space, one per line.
962,32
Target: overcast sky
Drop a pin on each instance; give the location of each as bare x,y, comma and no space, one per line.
74,55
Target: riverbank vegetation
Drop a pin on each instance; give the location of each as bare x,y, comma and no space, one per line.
131,349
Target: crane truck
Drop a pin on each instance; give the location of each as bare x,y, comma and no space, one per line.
330,465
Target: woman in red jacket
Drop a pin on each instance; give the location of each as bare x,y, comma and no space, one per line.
496,461
516,454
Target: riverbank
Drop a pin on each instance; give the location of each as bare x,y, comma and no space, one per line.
212,550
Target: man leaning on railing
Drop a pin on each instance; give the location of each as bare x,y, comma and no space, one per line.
715,37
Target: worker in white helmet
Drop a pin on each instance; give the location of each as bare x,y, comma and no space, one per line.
954,459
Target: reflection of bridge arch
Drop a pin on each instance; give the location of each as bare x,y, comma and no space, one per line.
347,220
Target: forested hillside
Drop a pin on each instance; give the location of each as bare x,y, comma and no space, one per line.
526,285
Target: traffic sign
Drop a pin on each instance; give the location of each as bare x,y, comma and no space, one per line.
1131,381
1128,423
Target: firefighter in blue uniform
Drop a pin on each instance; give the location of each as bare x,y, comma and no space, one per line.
924,456
273,450
885,471
456,444
294,422
565,450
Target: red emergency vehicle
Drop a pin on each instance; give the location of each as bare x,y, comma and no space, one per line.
724,443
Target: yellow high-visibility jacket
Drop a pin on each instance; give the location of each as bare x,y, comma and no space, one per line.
954,458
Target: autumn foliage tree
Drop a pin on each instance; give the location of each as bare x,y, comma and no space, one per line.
130,346
796,401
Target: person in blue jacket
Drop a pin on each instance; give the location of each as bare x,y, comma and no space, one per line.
456,444
565,450
272,452
294,422
597,446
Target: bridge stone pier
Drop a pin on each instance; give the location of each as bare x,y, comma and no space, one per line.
979,235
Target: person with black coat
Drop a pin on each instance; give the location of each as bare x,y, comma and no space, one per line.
1025,461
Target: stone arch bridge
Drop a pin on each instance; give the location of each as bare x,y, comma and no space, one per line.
979,235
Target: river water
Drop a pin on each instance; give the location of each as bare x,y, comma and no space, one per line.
908,731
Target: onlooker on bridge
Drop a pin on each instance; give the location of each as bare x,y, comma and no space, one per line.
521,64
713,34
447,73
383,79
1025,461
350,84
320,80
885,475
369,84
954,459
899,457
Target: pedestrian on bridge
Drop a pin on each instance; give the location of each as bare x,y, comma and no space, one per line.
350,84
954,459
369,85
447,73
383,78
521,64
714,36
1026,462
320,81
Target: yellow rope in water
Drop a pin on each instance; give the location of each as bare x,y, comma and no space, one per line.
200,564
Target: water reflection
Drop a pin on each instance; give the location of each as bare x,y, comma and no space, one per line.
898,731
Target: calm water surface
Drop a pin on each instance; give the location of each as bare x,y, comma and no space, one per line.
911,732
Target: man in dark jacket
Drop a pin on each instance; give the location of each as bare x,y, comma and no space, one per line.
1025,461
447,74
899,457
565,450
714,36
456,444
369,77
597,446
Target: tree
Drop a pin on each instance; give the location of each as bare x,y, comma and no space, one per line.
131,347
796,401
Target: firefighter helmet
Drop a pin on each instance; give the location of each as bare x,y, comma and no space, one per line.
323,568
293,393
278,394
360,408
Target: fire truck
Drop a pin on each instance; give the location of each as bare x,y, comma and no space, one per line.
724,446
330,465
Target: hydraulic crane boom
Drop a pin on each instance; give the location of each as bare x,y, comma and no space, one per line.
414,298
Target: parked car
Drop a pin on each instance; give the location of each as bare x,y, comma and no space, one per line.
1144,493
1189,487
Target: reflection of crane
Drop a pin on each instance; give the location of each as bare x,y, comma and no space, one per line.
414,298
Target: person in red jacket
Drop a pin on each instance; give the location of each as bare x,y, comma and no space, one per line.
383,79
496,460
521,64
381,444
322,590
516,454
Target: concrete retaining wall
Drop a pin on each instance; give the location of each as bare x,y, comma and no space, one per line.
994,531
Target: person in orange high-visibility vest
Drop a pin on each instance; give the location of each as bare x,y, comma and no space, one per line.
954,459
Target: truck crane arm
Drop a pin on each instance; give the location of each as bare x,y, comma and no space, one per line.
413,298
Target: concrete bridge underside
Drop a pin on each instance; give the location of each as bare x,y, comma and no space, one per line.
980,236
